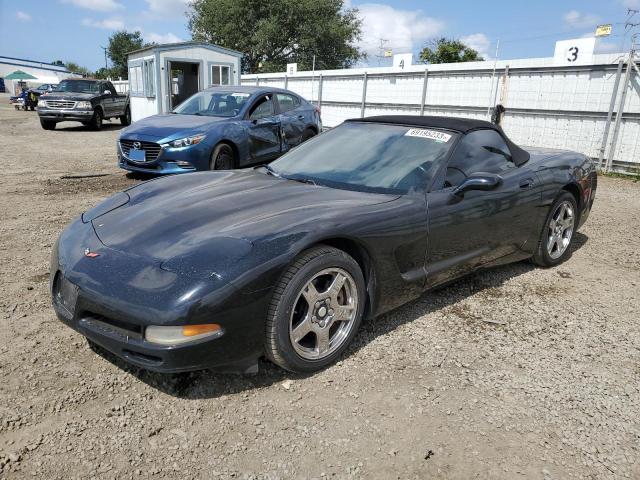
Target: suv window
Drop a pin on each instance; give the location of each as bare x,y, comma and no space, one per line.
479,151
287,102
109,86
262,108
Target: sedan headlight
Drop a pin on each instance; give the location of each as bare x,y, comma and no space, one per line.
84,105
185,142
170,335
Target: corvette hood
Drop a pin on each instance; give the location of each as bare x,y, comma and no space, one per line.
168,125
230,211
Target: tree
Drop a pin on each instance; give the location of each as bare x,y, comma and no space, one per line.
272,33
448,50
107,73
120,44
75,68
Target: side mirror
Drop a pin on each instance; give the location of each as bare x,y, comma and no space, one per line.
478,181
107,92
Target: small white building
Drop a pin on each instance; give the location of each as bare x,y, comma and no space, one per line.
44,72
163,76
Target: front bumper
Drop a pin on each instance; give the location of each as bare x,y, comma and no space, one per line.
112,298
61,115
175,160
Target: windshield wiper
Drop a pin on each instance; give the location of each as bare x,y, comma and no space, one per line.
269,169
302,180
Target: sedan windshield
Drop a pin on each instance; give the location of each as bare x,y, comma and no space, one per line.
369,157
78,86
215,104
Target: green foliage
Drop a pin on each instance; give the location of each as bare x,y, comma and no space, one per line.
75,68
120,44
272,33
446,50
105,73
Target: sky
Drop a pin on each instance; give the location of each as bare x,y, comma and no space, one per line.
74,30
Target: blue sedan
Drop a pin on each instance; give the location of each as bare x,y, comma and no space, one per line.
220,128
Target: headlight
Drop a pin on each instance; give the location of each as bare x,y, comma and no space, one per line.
185,142
42,103
84,105
181,334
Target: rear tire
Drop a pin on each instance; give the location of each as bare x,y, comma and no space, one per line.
47,124
316,310
125,119
96,120
222,158
556,238
307,134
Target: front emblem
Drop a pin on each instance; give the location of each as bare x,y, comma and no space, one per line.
90,254
137,145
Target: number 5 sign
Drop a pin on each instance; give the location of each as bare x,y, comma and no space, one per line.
576,51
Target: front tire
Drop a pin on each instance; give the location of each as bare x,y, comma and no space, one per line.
96,120
222,158
554,245
125,119
48,124
316,309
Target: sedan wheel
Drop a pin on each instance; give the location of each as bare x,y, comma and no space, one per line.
222,158
315,311
557,233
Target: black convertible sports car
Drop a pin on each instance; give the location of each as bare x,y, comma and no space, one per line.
285,260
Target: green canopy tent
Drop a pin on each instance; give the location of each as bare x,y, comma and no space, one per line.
20,76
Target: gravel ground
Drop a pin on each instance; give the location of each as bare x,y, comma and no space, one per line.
516,372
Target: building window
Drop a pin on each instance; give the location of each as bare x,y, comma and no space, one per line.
220,75
136,85
149,78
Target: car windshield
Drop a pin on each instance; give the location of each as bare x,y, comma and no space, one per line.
78,86
215,104
368,157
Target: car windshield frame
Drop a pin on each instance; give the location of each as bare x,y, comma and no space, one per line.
376,157
76,89
214,93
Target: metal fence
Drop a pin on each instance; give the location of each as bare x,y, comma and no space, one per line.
547,105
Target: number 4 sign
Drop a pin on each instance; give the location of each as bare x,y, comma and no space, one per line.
576,51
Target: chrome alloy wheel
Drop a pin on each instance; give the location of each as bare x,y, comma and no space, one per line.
323,314
560,229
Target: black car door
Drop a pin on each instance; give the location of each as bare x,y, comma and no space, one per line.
466,231
292,117
264,130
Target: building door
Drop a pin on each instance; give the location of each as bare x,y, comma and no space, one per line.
184,81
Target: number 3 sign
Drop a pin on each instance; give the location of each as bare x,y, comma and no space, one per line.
570,52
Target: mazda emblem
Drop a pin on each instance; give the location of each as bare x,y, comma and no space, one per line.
137,145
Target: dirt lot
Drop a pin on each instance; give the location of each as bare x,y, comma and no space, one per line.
512,373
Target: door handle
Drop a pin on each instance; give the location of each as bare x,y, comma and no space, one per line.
526,183
300,117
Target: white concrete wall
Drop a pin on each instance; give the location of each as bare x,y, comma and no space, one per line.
547,105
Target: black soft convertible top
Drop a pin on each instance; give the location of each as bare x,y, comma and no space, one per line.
462,125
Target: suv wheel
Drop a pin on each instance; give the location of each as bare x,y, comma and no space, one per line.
48,124
126,118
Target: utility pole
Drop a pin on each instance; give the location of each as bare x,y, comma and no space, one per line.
106,67
382,49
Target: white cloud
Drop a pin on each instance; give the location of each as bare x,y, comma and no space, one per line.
634,4
23,16
162,37
98,5
576,19
479,42
168,7
404,29
106,24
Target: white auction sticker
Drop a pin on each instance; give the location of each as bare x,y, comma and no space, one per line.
431,134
